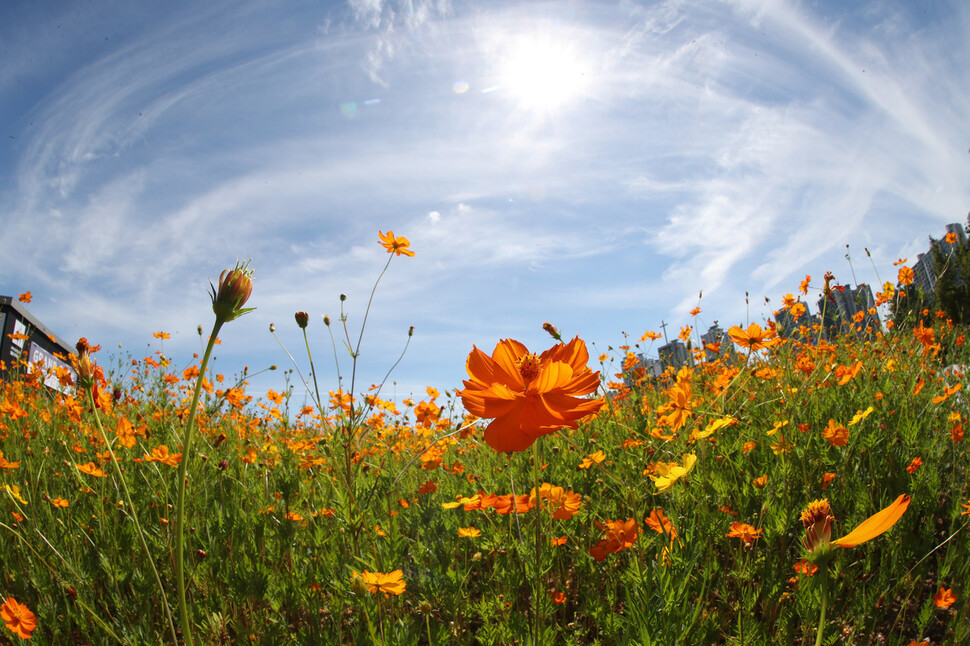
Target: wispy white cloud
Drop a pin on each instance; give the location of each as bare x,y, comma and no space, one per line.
718,146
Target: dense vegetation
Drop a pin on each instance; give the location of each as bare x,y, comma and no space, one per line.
678,520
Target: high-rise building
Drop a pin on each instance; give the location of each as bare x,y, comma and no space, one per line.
716,337
675,355
925,271
849,310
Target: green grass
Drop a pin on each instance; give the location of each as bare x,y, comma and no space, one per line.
257,574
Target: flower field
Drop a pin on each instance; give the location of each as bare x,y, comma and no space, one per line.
789,492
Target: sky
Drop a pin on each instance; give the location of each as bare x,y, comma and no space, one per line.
597,165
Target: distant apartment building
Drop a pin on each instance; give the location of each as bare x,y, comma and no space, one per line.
801,328
925,271
675,355
716,337
848,310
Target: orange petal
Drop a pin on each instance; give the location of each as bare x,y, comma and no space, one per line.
875,524
504,435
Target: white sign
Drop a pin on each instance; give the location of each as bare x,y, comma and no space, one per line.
48,362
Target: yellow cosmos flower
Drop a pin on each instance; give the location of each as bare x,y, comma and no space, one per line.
667,473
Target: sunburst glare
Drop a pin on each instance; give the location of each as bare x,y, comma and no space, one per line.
541,73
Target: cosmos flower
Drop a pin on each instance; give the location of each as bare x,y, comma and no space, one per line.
19,619
396,245
389,583
745,532
667,473
944,598
529,395
754,338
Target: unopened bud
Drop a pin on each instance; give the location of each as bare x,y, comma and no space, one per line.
326,320
302,319
551,329
235,288
274,367
85,365
411,331
343,297
272,328
199,330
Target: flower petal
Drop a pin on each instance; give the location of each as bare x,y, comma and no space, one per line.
876,524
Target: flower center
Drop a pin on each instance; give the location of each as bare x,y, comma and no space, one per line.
529,367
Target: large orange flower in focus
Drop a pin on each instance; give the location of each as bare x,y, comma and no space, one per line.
529,395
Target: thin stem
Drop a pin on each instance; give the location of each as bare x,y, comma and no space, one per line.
360,337
313,371
180,503
134,517
824,581
298,371
537,598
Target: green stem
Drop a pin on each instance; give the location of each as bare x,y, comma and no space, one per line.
824,581
134,517
313,371
180,503
537,597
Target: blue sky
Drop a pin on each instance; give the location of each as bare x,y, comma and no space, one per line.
592,164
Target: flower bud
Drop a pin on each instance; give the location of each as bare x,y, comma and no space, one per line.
272,328
235,288
302,319
326,320
551,329
85,365
411,331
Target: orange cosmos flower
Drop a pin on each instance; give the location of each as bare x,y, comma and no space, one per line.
836,434
468,532
760,481
951,238
390,583
620,535
396,245
428,487
527,395
19,619
556,541
915,465
745,532
558,597
59,502
560,504
905,276
661,524
754,338
805,568
91,470
803,286
944,598
591,459
26,297
160,454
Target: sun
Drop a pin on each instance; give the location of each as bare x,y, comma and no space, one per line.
541,73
